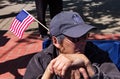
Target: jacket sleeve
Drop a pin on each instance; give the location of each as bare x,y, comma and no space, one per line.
106,71
36,66
33,69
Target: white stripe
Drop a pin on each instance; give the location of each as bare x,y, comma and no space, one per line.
26,25
22,25
29,21
13,25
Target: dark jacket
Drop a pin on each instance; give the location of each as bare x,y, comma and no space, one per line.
100,60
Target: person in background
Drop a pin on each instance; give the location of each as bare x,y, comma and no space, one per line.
55,7
70,55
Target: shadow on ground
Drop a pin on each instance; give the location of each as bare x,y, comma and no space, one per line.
27,40
3,39
101,13
12,66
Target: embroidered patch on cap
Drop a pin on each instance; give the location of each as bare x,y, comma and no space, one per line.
77,19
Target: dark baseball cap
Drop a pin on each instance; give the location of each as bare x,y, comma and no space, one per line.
69,23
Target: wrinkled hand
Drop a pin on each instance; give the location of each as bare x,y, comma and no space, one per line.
60,64
63,62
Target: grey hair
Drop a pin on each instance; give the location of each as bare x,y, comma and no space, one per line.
60,38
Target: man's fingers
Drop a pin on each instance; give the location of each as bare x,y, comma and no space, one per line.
72,75
51,65
59,66
84,73
77,74
64,69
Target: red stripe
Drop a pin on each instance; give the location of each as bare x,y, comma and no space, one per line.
31,20
24,24
12,25
18,27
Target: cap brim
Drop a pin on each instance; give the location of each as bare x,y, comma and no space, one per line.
78,30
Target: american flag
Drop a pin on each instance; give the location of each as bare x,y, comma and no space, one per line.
20,23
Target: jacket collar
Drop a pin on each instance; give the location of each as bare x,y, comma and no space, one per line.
52,50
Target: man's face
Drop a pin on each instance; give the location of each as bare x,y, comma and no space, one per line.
73,45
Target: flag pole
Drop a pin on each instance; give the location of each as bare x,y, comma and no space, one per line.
42,24
38,21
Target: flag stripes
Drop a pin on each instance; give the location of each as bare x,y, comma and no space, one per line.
18,27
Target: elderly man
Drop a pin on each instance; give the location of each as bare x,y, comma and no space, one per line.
70,56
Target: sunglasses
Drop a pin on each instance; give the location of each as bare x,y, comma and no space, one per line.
75,40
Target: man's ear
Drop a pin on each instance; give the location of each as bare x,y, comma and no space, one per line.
55,42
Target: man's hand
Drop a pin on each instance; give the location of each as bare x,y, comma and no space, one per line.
47,74
61,64
76,74
78,59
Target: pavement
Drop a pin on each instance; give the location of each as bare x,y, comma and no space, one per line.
15,53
